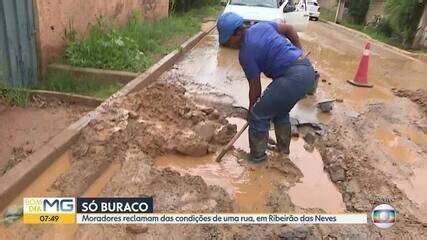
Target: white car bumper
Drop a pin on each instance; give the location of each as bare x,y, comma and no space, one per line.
314,14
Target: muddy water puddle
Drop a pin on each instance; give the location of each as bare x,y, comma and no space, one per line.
315,189
41,187
68,232
250,184
412,169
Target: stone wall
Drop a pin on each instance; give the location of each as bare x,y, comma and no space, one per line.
54,17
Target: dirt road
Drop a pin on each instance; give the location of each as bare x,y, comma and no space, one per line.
160,142
376,145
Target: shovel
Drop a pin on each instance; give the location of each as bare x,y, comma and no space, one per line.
227,147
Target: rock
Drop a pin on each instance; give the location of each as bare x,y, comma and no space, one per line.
294,131
302,232
206,110
212,148
308,148
196,116
28,148
353,186
12,214
136,229
194,148
214,115
287,236
14,211
224,134
299,233
205,130
346,196
361,203
133,115
337,173
310,138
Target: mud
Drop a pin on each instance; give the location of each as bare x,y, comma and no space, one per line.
159,120
25,129
418,96
248,184
158,142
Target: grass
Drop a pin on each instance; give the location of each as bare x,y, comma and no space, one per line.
14,96
327,15
135,46
373,33
66,82
61,82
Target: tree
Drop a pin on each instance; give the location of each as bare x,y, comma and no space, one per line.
404,17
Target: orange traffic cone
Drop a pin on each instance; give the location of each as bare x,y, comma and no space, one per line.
361,78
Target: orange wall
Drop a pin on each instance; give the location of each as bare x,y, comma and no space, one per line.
55,16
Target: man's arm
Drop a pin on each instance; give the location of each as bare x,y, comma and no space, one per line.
290,32
254,91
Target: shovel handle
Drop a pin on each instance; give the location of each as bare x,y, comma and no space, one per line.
230,144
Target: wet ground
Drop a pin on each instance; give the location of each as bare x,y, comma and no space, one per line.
389,129
373,151
25,129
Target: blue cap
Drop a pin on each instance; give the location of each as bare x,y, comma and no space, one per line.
227,24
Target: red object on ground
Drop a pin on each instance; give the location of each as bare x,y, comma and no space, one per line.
361,78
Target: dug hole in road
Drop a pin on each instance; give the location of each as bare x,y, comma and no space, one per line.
160,142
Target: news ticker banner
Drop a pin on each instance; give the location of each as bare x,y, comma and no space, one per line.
140,211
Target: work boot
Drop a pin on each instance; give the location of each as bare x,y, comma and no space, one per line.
258,145
283,137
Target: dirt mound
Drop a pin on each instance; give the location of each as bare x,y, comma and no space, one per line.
157,120
362,186
419,96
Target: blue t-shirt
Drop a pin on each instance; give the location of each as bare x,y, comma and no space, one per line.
263,49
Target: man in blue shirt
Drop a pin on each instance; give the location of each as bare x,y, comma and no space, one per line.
275,50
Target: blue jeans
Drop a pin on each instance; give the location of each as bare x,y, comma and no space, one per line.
281,96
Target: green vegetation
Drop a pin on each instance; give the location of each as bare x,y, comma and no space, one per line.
186,5
327,15
14,96
403,17
357,10
137,45
397,27
66,82
61,82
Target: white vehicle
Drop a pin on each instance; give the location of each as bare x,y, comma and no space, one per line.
313,9
254,11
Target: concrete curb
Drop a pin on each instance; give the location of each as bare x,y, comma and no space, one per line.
14,181
410,55
66,97
108,76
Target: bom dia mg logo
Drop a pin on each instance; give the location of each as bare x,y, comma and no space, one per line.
46,210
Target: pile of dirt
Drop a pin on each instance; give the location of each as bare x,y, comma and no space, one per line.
157,120
350,162
419,96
